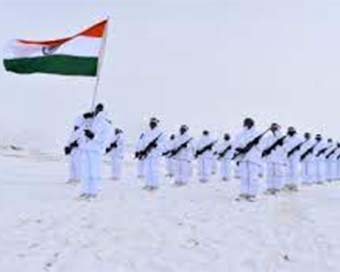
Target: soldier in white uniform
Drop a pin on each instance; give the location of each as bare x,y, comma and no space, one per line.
337,159
204,156
320,162
214,160
307,160
151,151
224,153
275,156
92,145
182,154
72,149
328,160
116,152
140,163
293,145
332,158
248,150
73,152
170,161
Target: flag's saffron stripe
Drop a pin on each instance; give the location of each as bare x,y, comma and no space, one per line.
95,31
55,64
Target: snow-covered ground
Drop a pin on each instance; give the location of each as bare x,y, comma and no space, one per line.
194,228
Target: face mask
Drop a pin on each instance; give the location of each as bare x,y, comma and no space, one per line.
153,125
274,130
182,131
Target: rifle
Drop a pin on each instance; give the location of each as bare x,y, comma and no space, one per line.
167,153
68,149
137,154
269,150
143,154
323,150
331,153
204,149
249,145
112,146
175,151
295,148
223,152
308,151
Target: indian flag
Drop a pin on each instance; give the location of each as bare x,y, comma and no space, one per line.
75,55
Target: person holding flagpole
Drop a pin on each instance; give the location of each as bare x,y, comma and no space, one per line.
92,145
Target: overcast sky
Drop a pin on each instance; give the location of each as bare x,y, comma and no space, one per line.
205,63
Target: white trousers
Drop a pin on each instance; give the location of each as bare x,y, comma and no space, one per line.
249,175
331,170
75,165
152,171
90,166
275,175
170,166
204,168
334,170
140,168
191,170
293,172
338,170
214,166
308,172
182,171
320,171
225,169
116,167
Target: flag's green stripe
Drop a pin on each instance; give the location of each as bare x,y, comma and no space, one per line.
55,64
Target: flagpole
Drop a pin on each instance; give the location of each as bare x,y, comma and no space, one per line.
99,65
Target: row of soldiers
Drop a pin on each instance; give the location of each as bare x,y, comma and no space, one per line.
284,159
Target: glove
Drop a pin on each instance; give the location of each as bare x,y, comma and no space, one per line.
265,153
89,134
114,145
256,141
155,145
67,150
239,150
141,154
281,142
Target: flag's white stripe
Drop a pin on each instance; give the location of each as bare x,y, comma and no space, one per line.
81,46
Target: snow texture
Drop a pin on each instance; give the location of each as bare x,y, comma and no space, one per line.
198,227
